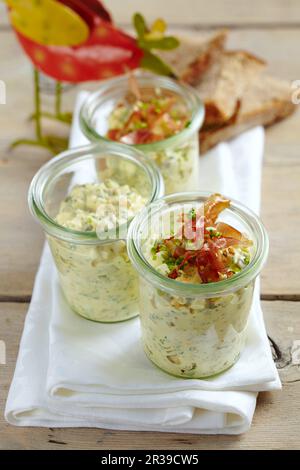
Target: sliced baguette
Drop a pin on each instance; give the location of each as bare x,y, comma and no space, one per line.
267,101
222,86
194,56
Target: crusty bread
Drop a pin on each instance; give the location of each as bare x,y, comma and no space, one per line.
267,101
224,83
194,56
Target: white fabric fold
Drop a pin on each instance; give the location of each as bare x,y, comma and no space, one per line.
73,372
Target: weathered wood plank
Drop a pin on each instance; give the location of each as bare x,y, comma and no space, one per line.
276,423
21,238
200,12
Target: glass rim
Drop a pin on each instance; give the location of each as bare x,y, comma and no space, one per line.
188,94
78,154
214,289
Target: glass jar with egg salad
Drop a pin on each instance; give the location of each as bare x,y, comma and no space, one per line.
85,199
155,115
197,257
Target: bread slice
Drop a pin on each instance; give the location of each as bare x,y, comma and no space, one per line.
223,85
267,101
194,56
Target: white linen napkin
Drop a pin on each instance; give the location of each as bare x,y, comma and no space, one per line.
73,372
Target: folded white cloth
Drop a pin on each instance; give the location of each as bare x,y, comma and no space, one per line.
73,372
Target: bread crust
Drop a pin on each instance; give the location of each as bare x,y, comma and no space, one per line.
233,86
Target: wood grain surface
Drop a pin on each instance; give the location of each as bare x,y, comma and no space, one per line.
269,29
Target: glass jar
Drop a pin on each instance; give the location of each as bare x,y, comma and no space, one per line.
193,330
176,156
94,270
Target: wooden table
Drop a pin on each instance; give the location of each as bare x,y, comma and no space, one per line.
270,29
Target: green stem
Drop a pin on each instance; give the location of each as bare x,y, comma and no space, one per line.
37,104
58,99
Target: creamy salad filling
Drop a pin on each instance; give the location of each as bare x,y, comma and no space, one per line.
197,336
98,281
137,120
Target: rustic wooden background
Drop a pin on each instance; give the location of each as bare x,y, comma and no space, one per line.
271,29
